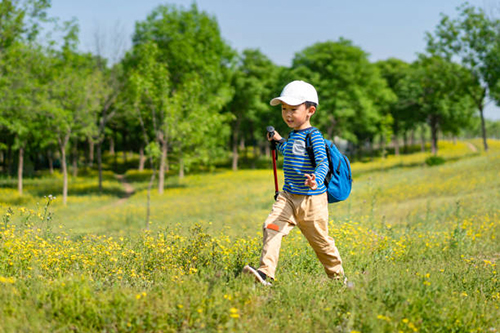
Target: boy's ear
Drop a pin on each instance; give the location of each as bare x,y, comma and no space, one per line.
311,110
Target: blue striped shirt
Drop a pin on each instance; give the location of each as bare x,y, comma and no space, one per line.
296,162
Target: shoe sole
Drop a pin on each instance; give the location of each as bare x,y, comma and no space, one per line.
252,271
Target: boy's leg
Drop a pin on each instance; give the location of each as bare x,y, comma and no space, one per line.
312,220
277,225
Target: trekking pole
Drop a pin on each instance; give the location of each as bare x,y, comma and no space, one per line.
270,133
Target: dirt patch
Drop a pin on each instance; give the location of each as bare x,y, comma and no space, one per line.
472,147
129,189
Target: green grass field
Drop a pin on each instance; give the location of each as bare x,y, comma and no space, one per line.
419,243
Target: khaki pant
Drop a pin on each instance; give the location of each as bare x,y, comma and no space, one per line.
310,214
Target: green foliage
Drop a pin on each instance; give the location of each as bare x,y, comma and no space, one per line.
352,94
149,92
438,91
254,80
492,75
20,20
153,150
434,160
395,72
189,44
19,97
474,131
474,39
193,91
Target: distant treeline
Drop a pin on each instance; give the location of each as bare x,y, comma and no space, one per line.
181,96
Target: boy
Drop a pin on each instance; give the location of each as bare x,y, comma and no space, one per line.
303,201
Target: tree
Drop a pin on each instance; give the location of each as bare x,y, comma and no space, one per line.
150,84
438,90
351,91
394,71
20,21
111,82
70,102
20,24
18,97
254,81
473,38
199,61
108,83
492,76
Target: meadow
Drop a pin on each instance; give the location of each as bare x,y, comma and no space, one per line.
419,244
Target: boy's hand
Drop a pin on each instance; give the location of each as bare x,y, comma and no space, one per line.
311,181
276,137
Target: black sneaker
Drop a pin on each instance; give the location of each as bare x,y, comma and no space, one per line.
259,276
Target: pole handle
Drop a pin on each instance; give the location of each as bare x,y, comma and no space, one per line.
270,134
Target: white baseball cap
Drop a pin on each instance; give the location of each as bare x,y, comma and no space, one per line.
296,93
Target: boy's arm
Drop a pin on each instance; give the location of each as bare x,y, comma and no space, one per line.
318,144
280,142
281,146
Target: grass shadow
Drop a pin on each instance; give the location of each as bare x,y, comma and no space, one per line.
82,190
422,163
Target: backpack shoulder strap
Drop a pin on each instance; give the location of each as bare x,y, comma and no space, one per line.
309,147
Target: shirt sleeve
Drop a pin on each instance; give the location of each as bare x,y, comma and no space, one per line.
318,144
282,146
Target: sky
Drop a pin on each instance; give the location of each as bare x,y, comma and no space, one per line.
279,28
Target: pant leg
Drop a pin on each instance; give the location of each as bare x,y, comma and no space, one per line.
312,219
278,224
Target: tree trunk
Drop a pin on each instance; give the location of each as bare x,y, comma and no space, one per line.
235,156
329,132
163,162
9,160
124,146
331,128
167,164
142,158
20,171
434,136
111,145
396,144
412,137
422,138
256,154
181,165
236,135
370,148
91,152
99,163
115,155
405,142
351,149
235,146
50,158
75,159
150,185
64,167
65,175
383,146
483,126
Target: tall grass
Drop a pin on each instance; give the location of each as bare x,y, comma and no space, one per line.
419,243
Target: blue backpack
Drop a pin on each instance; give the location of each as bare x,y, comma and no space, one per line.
338,180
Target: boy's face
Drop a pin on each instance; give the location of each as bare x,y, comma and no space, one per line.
297,116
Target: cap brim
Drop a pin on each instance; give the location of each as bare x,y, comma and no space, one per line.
287,100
